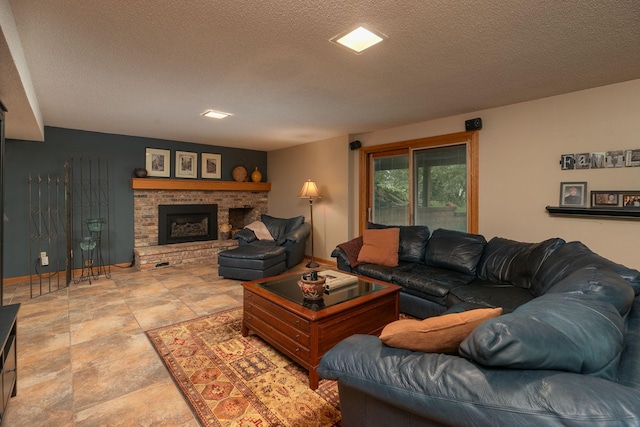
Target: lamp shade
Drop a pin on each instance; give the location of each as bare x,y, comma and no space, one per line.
309,190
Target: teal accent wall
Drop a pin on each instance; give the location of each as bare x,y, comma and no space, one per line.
123,153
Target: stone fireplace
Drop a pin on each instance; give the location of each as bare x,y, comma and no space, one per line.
236,207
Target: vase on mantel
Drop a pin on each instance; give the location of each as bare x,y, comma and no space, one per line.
256,175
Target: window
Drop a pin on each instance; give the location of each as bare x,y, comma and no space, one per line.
429,181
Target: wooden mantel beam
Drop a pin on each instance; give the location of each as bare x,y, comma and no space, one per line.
196,185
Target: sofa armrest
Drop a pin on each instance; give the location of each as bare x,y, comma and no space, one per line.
342,261
340,254
245,235
300,234
452,390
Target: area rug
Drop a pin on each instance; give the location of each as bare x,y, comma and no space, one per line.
231,380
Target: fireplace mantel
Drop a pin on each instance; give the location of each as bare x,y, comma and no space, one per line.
197,185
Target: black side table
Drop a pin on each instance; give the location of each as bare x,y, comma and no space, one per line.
8,358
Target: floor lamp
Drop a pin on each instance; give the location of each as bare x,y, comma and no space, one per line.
310,191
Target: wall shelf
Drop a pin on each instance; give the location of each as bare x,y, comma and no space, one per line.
197,185
612,213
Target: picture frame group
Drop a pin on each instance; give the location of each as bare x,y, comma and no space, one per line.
158,164
574,194
615,199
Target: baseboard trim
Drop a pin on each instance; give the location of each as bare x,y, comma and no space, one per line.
78,271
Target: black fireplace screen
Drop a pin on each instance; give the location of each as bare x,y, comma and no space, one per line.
187,223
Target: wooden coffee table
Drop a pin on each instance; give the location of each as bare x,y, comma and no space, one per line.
305,330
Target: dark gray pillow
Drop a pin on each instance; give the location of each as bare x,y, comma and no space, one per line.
413,241
555,331
280,227
514,263
455,250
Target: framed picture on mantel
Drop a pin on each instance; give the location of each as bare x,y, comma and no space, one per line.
158,162
211,166
186,164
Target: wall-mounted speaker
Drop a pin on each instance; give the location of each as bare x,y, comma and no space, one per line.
354,145
473,124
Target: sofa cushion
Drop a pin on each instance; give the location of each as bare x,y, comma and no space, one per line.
280,227
438,334
509,262
455,250
490,294
573,256
556,331
379,272
351,250
413,241
429,280
380,247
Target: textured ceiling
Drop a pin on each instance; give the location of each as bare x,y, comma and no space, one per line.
150,67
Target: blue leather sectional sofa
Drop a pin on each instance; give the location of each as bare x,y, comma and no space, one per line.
566,351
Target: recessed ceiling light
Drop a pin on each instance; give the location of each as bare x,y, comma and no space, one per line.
216,114
359,39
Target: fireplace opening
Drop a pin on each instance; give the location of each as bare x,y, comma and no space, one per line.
239,217
187,223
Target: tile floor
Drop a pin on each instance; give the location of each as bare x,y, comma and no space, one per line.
83,356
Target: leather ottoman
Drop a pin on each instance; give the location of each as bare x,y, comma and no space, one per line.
251,262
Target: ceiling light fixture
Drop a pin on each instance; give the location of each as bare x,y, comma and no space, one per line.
359,39
216,114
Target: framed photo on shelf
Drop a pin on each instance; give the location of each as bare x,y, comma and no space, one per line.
631,199
211,166
573,194
158,162
186,164
609,199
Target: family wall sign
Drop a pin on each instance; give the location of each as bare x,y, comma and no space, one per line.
600,159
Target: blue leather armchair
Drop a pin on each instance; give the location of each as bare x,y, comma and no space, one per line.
255,259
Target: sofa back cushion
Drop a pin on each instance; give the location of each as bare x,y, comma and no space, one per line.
280,227
413,241
597,283
555,331
455,250
573,256
514,263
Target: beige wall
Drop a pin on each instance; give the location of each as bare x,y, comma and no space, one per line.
520,148
325,162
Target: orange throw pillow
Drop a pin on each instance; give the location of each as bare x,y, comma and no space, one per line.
438,334
380,246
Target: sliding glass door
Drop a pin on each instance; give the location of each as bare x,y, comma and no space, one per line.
390,190
431,181
440,182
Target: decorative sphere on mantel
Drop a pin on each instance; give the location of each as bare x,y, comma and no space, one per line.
140,172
